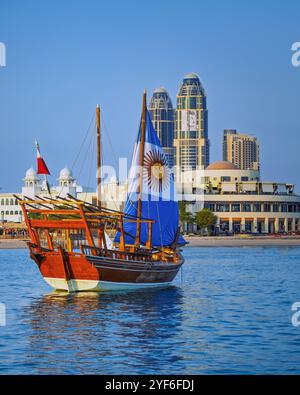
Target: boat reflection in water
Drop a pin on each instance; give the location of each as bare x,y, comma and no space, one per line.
96,333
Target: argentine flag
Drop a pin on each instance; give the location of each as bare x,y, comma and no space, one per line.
159,201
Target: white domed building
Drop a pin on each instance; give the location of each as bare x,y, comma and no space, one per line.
10,210
32,184
66,183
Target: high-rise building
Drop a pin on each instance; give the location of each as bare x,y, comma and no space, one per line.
191,125
241,149
162,114
225,146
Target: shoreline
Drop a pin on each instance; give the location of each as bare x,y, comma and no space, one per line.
198,241
233,241
12,244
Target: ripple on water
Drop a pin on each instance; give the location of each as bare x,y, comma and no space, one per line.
229,312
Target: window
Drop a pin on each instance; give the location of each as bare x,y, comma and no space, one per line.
246,207
291,208
267,207
244,178
257,207
222,207
192,102
225,178
275,207
235,207
209,206
191,134
283,208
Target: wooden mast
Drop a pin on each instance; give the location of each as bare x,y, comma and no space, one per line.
100,230
141,165
98,157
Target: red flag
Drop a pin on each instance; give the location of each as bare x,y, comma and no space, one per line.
41,165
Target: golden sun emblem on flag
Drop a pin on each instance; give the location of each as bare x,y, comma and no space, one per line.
156,171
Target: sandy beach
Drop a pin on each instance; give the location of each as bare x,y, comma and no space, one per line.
12,244
197,241
231,241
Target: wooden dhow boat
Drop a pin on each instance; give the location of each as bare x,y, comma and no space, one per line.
70,240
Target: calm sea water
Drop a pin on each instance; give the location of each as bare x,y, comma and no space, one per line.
228,312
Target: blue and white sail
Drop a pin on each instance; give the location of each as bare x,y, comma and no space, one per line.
158,196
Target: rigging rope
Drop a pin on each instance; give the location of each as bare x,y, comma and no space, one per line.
106,133
159,224
92,146
109,141
83,142
79,152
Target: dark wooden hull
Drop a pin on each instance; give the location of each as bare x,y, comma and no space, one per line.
78,272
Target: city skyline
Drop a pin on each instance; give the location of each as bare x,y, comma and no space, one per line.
59,67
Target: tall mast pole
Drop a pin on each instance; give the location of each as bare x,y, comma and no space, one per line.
100,229
98,157
141,165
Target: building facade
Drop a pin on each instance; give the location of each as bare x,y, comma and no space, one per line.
241,149
162,114
113,194
191,125
242,202
33,187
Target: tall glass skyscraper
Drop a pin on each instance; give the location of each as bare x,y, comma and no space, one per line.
191,125
162,114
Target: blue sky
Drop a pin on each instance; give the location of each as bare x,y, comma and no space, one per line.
64,57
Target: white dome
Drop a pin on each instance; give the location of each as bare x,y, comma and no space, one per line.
65,174
31,175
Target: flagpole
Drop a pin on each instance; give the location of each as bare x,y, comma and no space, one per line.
141,165
42,167
101,237
98,157
47,184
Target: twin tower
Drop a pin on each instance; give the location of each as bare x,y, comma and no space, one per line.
183,132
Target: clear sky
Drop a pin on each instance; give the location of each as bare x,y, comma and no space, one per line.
64,57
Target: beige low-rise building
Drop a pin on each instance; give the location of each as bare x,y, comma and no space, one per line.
242,202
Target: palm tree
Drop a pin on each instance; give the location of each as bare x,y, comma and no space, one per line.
186,218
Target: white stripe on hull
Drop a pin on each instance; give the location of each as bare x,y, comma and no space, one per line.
61,284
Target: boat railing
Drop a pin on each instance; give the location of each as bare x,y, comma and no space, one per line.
115,254
37,248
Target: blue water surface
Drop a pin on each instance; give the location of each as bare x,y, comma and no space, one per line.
228,312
